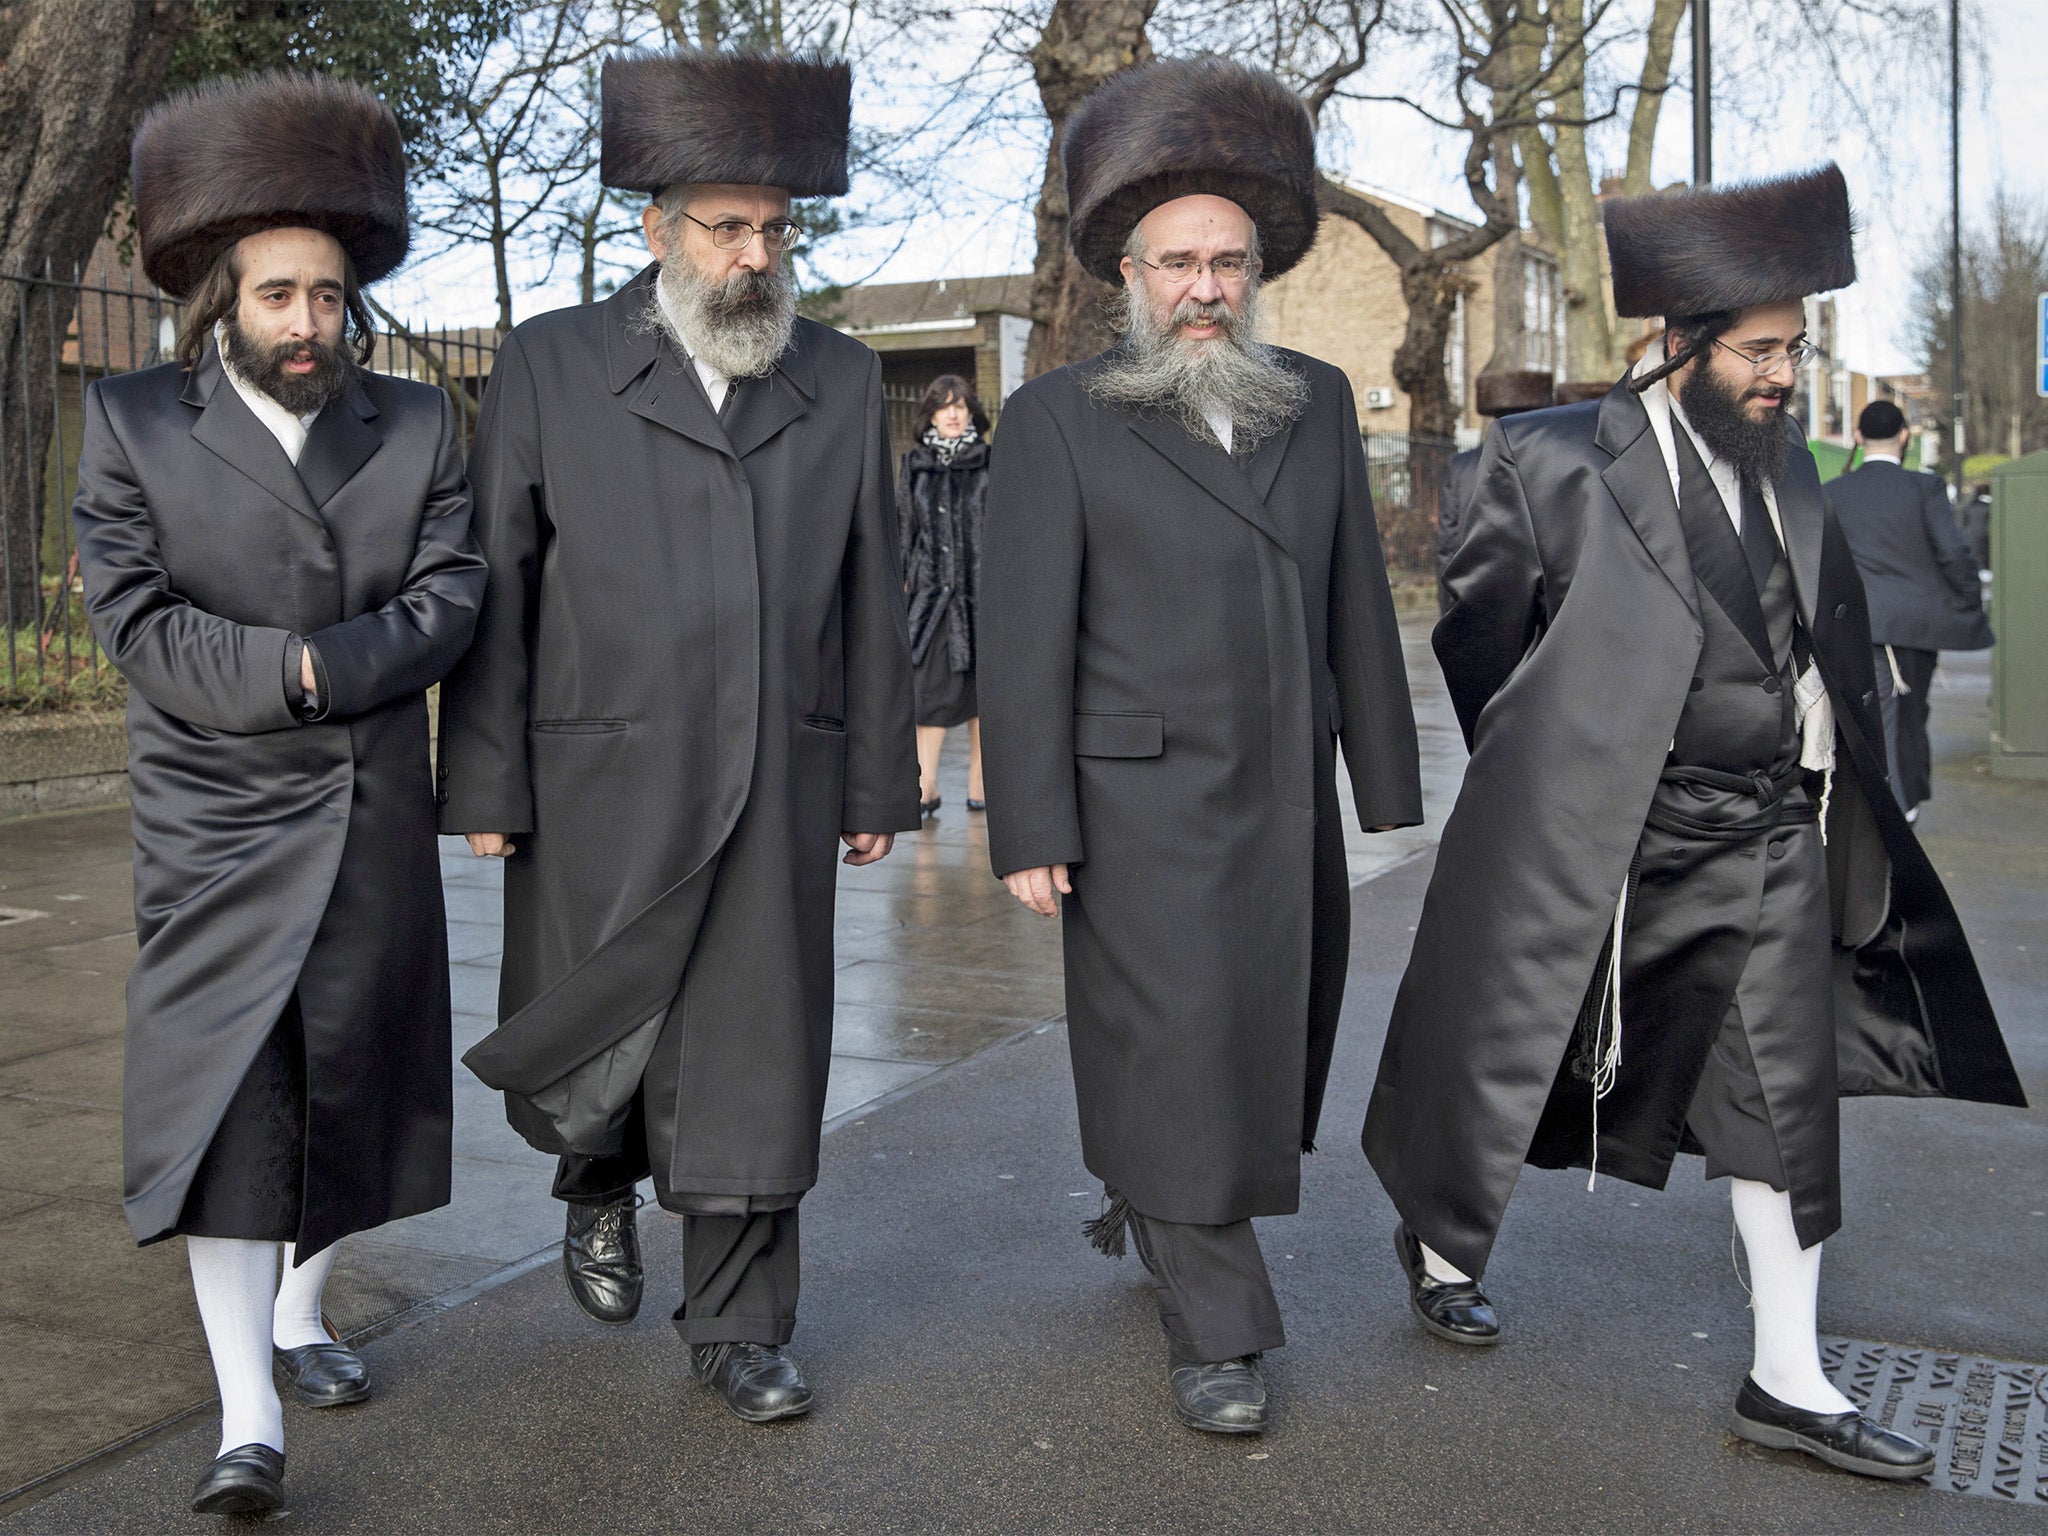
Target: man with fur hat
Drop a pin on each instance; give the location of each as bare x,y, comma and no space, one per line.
1675,908
276,555
691,681
1184,610
1494,395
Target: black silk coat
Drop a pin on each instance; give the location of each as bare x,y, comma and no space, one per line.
691,620
1569,649
271,854
1173,642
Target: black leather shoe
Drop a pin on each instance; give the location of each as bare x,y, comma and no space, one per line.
1226,1397
929,807
758,1381
324,1375
1846,1440
601,1258
1456,1310
249,1480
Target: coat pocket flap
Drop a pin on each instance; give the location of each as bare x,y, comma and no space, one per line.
1104,735
588,727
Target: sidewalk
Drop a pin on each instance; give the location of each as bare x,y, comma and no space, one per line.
980,1369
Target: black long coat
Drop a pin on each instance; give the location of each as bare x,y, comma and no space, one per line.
1569,649
1918,571
274,855
940,510
691,622
1172,643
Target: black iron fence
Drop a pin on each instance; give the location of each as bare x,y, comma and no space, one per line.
58,335
1406,472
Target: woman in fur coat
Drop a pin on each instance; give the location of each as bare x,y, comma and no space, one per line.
940,497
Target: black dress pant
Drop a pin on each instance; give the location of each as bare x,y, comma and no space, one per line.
250,1181
741,1255
1913,769
1215,1298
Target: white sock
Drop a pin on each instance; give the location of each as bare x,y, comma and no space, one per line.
295,1320
1439,1268
235,1280
1784,1298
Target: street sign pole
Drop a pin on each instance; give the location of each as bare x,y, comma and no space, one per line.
1959,446
1702,96
2041,349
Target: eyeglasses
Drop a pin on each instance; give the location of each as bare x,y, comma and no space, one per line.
1799,354
778,236
1183,269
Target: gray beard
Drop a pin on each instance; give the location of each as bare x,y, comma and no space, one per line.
738,327
1236,373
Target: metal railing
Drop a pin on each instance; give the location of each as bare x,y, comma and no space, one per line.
69,332
1406,473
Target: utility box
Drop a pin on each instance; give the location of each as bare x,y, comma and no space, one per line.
2019,614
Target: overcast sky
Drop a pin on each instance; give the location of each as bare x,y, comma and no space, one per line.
1900,191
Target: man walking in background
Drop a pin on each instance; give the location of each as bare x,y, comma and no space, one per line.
1921,581
691,681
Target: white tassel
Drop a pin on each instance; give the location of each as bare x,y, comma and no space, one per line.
1815,714
1608,1066
1898,678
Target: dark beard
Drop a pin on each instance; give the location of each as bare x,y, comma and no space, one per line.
263,367
1755,449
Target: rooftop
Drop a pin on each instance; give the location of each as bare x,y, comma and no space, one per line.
939,304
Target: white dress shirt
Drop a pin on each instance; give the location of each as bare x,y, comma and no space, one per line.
1879,458
1219,423
289,430
715,383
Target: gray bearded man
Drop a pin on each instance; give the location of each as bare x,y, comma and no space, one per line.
275,549
1675,908
1184,609
691,679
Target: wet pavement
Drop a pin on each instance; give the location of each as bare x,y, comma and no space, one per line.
979,1368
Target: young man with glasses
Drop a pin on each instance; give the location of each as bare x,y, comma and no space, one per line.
1183,612
691,681
1674,876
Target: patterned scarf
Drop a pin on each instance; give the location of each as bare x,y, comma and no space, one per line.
950,448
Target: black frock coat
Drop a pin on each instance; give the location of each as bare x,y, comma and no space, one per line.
692,619
273,855
1569,649
1172,643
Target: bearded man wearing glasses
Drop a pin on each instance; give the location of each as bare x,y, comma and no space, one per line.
1184,610
1675,908
691,681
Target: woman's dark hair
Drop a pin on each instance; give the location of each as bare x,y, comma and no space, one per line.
219,294
948,389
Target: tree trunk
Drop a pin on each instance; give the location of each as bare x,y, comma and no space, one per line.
1510,345
74,82
1654,82
1083,44
1588,334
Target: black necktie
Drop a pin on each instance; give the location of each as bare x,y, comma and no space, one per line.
1759,538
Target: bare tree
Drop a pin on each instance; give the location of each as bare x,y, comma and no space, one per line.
74,82
2005,270
520,136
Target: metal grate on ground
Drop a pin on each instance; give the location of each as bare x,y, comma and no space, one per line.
1987,1420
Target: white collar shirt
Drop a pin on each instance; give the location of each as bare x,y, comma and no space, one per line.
289,430
715,383
1663,408
1880,458
1219,423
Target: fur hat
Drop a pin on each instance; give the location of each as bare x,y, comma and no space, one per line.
1176,127
225,160
1503,394
757,119
1720,248
1577,391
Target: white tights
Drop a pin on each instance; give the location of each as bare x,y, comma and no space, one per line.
245,1310
1784,1299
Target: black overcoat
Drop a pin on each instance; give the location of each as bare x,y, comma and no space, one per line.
274,855
1918,572
940,510
1569,651
1172,643
692,619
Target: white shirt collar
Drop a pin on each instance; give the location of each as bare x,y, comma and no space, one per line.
1662,407
715,383
289,430
1879,458
1219,423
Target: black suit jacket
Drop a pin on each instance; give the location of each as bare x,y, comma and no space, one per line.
1918,572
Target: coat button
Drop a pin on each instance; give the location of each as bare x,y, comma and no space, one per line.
1777,850
441,797
1772,685
1697,684
1841,610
